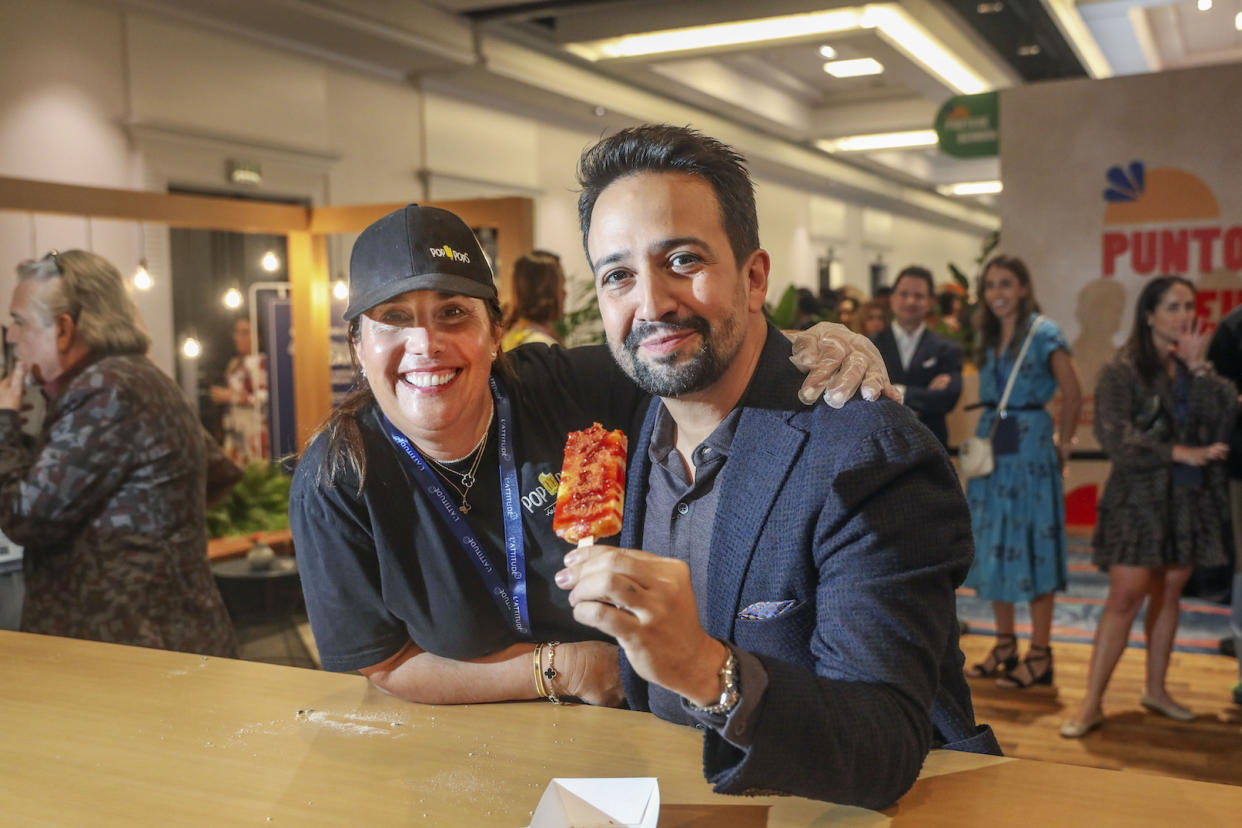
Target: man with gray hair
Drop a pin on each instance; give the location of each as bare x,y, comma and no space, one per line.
109,501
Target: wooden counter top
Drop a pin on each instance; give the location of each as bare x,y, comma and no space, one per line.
100,735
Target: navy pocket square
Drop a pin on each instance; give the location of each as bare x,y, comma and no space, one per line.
766,609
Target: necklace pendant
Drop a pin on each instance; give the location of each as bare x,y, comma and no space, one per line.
464,508
467,481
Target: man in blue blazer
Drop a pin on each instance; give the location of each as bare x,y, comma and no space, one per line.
796,599
926,366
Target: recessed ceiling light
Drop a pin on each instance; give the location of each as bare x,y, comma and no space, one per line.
1029,50
853,68
1205,5
989,8
827,52
880,141
969,188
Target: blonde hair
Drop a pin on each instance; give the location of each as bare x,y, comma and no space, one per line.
89,290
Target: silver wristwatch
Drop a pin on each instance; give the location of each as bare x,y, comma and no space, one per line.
729,695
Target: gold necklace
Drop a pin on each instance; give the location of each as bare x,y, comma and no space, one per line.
467,478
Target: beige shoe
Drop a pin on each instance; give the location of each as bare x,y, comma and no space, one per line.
1076,730
1171,709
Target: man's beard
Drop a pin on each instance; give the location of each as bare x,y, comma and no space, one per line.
677,374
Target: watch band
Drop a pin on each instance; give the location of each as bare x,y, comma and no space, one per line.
729,695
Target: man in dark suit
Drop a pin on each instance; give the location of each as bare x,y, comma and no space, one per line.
796,599
927,367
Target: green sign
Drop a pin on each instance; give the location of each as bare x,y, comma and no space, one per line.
968,126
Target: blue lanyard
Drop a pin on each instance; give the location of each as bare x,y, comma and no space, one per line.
510,598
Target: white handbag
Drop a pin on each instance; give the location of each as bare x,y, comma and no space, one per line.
974,455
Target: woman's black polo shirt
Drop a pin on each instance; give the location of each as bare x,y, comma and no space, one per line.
381,567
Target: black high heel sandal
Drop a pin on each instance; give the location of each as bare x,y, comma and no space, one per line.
997,661
1036,654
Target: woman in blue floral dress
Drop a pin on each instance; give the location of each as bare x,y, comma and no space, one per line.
1018,511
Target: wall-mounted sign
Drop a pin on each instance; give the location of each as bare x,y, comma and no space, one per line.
968,126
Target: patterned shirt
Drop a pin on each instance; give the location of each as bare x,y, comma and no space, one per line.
109,503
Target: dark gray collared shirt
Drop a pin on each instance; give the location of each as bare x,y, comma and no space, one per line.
678,524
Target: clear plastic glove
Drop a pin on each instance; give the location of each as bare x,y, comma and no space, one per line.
839,362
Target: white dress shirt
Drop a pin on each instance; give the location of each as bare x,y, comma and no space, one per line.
907,342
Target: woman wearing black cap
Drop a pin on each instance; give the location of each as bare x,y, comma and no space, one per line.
422,508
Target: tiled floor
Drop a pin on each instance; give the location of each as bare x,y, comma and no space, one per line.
282,641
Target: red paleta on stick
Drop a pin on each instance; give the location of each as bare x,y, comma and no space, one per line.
592,491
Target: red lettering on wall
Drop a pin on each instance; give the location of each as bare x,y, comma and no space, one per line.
1143,253
1233,248
1203,300
1205,236
1174,251
1114,245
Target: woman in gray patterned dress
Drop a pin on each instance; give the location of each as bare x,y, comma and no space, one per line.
1163,416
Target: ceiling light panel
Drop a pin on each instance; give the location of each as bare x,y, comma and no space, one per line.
719,35
911,139
973,188
856,68
889,20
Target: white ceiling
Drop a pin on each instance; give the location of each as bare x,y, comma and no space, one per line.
774,96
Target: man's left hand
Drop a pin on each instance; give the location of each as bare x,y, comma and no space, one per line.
647,604
12,388
939,382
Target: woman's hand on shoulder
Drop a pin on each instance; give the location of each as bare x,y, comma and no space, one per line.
592,672
838,362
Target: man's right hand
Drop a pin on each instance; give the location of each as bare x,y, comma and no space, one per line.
592,672
939,382
12,387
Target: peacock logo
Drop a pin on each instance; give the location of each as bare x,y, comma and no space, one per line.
1179,224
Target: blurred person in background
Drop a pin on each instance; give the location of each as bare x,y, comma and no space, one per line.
874,320
847,313
808,309
948,309
538,300
243,398
1018,511
1225,354
925,366
1163,416
110,500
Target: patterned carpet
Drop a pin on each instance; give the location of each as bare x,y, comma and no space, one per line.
1202,624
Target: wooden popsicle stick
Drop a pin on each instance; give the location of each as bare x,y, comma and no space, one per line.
586,540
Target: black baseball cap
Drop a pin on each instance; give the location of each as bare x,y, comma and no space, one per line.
416,248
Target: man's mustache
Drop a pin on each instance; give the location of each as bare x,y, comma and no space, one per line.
646,330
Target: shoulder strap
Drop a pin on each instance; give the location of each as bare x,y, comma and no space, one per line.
1017,363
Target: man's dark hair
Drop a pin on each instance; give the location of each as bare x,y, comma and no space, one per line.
917,272
661,148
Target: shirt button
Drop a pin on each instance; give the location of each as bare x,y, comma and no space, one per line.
682,508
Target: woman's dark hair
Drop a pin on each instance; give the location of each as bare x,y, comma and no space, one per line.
661,148
537,282
346,453
988,324
1140,346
